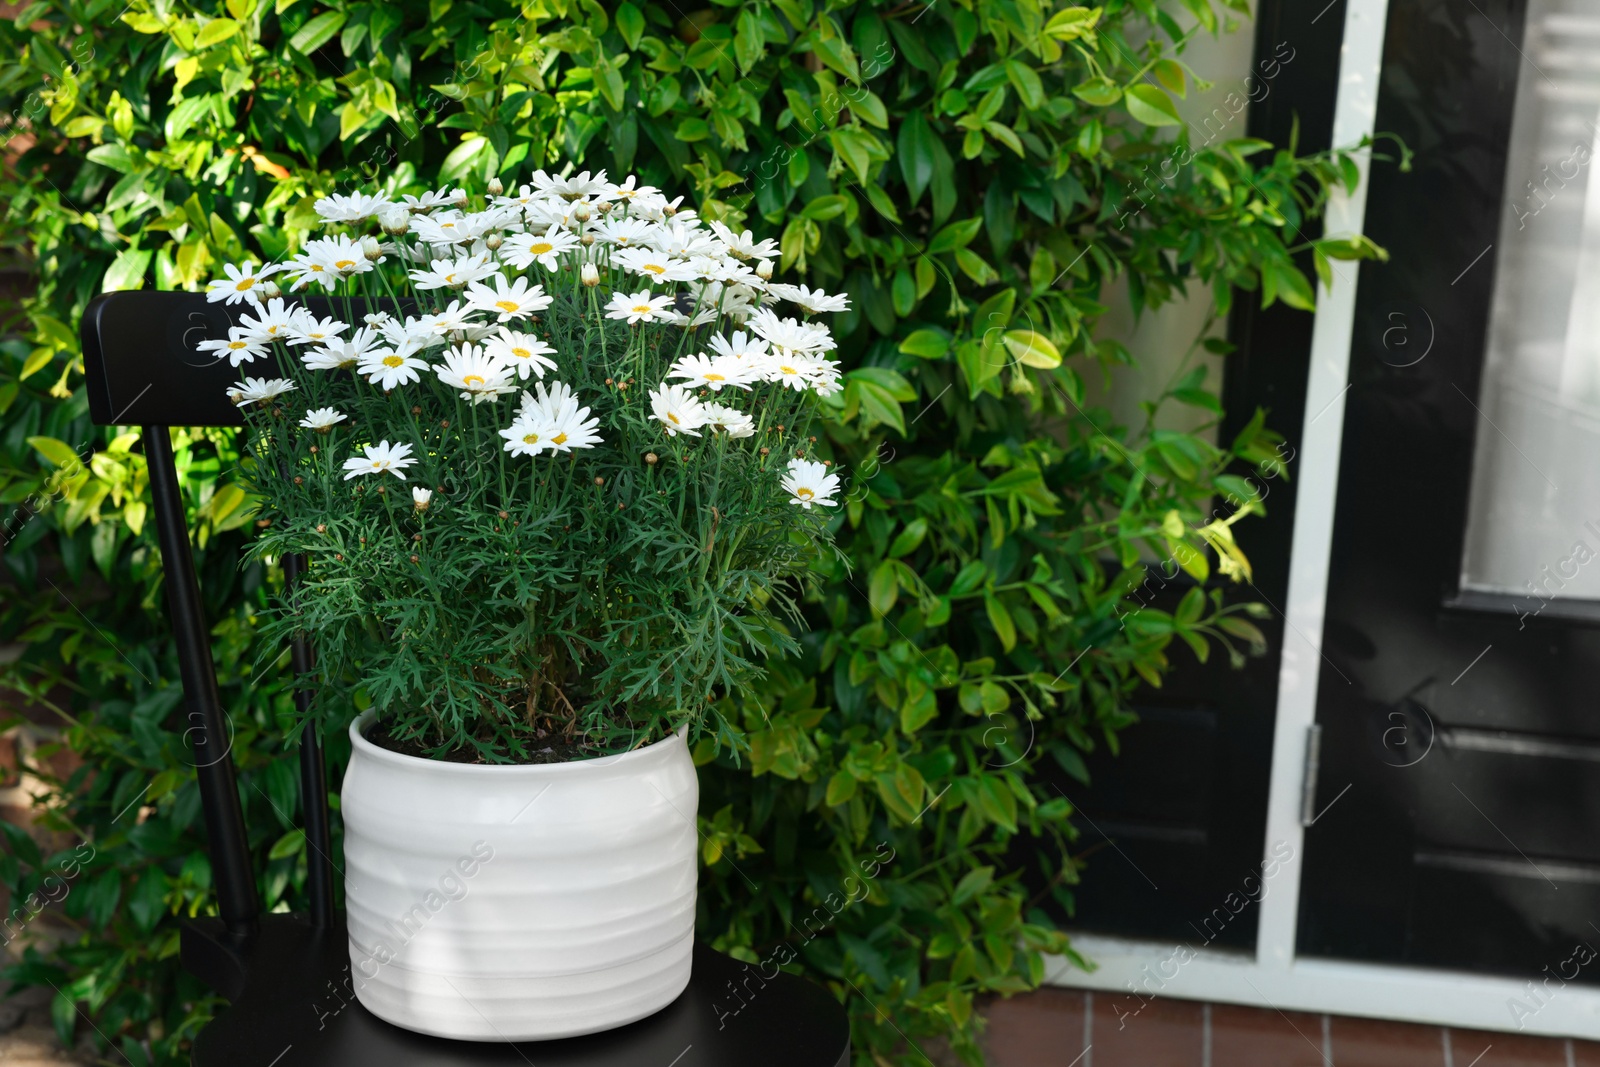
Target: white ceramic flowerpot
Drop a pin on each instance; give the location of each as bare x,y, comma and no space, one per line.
501,903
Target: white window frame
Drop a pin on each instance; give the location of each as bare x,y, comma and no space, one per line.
1274,977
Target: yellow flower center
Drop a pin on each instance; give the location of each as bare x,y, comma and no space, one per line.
379,464
715,378
559,439
803,493
392,361
674,419
506,305
238,344
469,379
344,264
531,439
522,353
540,248
244,283
788,370
643,309
655,268
450,279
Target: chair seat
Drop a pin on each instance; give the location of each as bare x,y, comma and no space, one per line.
292,1006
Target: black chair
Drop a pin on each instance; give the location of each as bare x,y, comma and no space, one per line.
288,976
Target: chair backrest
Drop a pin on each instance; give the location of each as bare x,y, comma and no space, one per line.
143,368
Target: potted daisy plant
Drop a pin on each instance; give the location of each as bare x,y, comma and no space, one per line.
546,456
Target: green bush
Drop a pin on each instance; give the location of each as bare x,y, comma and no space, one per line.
975,174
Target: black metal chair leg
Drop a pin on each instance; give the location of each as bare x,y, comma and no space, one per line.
313,773
207,730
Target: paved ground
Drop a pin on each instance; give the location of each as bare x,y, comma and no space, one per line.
26,1037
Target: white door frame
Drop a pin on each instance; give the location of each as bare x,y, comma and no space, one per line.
1274,976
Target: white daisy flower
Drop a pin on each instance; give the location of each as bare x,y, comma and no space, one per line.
340,353
322,419
272,323
478,376
825,376
445,228
791,336
625,232
677,409
523,250
379,458
716,372
307,329
717,269
810,483
239,346
388,369
353,208
409,336
455,273
240,282
730,421
436,198
522,352
814,301
509,300
685,240
628,191
796,372
740,345
655,266
638,307
451,318
343,256
259,389
421,498
528,435
570,188
521,199
313,264
743,245
568,424
555,411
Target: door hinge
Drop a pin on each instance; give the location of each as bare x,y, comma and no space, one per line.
1308,789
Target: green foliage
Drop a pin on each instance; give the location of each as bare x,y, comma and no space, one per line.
627,561
975,174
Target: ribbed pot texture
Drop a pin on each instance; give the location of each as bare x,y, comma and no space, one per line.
507,903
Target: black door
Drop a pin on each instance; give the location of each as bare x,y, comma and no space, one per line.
1457,798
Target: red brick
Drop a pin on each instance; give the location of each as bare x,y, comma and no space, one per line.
1263,1037
1161,1032
1375,1043
1033,1030
1506,1050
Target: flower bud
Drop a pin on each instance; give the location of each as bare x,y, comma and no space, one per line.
460,199
582,213
495,187
590,275
371,249
586,240
395,220
764,269
270,290
604,207
421,498
493,242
